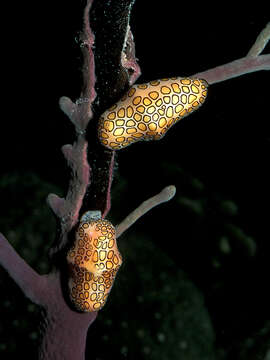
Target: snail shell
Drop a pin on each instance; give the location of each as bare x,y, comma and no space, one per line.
149,110
93,261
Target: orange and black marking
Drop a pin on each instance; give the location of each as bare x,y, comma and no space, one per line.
149,110
93,260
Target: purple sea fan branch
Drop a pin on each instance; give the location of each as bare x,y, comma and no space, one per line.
165,195
235,68
116,70
87,42
29,281
252,62
79,113
128,58
261,41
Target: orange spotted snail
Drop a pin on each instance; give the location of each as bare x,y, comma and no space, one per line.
93,262
147,111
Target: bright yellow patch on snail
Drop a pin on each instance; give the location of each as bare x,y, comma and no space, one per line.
93,262
164,102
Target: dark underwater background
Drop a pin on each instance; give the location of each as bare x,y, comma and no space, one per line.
195,278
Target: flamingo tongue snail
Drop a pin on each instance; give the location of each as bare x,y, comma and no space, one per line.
149,110
93,262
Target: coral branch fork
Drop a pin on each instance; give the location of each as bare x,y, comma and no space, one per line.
252,62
